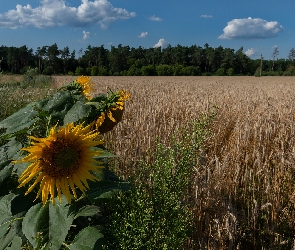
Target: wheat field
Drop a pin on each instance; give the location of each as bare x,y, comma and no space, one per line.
244,184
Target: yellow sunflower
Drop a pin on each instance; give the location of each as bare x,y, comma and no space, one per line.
87,86
61,162
113,115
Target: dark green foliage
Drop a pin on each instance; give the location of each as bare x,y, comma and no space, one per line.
156,213
79,71
123,60
24,220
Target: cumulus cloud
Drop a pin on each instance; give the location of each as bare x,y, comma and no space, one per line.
250,52
206,16
143,35
161,43
250,28
86,35
155,19
52,13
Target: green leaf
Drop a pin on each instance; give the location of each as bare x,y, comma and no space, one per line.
57,106
53,222
106,189
35,221
56,102
61,217
87,211
78,112
20,120
97,105
5,173
10,226
9,150
16,243
4,164
105,154
100,98
19,168
13,231
21,203
88,238
5,213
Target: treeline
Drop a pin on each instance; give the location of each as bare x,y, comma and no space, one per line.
124,60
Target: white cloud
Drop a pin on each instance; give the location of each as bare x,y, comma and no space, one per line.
206,16
155,19
86,35
250,28
250,52
52,13
161,43
143,35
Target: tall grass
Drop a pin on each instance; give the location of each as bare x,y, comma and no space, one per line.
18,91
244,184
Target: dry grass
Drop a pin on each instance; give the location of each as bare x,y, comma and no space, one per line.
245,186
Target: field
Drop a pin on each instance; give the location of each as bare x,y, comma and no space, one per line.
243,191
244,185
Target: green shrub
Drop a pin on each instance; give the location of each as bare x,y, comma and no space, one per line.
230,72
103,71
257,72
87,71
79,71
178,70
156,213
134,71
95,71
148,70
290,71
192,71
220,72
165,70
31,78
48,70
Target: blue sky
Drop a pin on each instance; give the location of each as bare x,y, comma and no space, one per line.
257,25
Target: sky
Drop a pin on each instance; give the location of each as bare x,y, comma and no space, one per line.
259,26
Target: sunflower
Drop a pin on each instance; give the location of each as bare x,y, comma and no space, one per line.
87,86
113,115
61,162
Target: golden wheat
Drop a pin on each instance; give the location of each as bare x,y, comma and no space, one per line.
247,168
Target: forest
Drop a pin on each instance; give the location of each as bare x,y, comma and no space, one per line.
125,60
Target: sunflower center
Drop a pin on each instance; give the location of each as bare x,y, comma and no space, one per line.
62,158
66,158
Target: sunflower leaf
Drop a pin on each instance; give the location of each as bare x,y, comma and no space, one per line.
5,173
53,222
20,120
87,211
78,112
57,105
16,243
11,238
106,189
9,150
5,213
104,154
88,238
36,221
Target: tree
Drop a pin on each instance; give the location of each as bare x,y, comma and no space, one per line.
291,55
40,53
274,56
52,54
65,55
